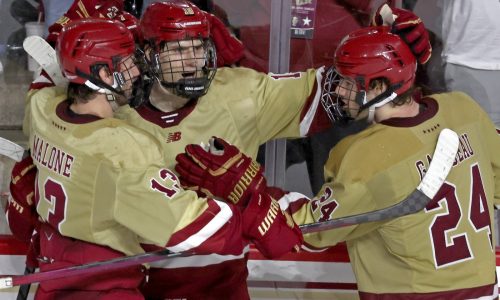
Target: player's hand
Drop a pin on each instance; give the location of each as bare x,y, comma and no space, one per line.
272,230
220,170
409,27
20,210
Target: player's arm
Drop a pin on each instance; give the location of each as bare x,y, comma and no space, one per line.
289,105
149,201
164,214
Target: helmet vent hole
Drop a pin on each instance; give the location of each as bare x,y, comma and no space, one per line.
397,58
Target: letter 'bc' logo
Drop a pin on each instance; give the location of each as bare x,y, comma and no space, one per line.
169,185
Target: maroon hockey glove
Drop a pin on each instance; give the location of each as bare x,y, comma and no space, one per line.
229,49
272,230
220,170
20,210
409,27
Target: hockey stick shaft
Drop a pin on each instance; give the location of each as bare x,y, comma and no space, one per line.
91,268
24,289
439,168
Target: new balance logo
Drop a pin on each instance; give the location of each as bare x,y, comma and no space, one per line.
173,137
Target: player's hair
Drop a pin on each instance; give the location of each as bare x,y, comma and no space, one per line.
80,93
404,98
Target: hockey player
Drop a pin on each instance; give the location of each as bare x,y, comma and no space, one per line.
102,186
190,100
446,251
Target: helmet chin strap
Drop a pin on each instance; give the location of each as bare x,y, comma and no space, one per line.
380,100
372,108
108,90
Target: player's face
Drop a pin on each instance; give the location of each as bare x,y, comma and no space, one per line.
182,59
129,72
347,90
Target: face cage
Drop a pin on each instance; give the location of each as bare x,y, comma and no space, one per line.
334,104
193,83
128,84
127,87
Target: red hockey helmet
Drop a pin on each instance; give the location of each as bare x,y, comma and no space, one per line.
374,52
132,23
174,20
87,43
176,26
362,56
85,46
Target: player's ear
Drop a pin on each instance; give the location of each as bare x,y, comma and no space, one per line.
106,76
378,86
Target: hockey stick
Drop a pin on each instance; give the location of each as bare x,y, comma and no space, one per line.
11,150
45,56
439,168
99,266
24,289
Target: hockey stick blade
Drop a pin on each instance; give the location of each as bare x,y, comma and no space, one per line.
439,168
11,150
91,268
45,56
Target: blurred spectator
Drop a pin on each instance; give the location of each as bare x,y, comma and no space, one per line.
470,61
471,43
